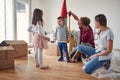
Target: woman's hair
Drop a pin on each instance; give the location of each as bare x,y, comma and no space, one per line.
37,16
85,21
101,18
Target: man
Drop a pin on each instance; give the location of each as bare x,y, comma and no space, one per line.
86,34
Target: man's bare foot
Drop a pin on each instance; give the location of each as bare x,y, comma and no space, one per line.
72,60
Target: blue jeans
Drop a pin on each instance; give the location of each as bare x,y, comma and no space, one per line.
72,53
93,64
61,47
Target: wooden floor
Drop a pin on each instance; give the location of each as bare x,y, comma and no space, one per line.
25,70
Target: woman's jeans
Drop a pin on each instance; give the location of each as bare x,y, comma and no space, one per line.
93,64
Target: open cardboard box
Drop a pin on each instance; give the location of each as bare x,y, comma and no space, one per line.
20,47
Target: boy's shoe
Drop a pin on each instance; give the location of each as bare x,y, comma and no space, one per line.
68,61
60,59
44,67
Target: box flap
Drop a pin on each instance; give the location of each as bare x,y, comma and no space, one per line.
6,48
14,42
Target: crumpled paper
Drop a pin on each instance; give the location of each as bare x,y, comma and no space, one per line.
113,73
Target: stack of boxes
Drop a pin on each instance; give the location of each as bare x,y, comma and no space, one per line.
8,53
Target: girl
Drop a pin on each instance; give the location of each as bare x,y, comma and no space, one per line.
101,56
39,38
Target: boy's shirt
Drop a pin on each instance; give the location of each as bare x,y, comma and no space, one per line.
61,34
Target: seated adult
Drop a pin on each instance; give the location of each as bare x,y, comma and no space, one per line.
86,34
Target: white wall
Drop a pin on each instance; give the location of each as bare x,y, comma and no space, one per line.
36,4
88,8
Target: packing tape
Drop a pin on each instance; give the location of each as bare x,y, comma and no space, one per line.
5,48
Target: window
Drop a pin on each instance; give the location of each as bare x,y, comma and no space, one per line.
9,20
12,26
6,20
2,29
22,20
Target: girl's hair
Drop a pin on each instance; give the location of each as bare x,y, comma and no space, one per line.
37,16
101,18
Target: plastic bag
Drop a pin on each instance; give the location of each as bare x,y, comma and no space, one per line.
113,73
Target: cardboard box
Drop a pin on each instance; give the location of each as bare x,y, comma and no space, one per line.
6,57
52,51
20,47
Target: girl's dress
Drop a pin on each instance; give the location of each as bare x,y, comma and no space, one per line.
39,40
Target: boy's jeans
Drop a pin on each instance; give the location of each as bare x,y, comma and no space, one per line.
61,47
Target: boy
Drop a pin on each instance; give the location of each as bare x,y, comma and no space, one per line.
61,36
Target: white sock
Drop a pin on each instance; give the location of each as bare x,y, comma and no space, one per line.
40,57
36,56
